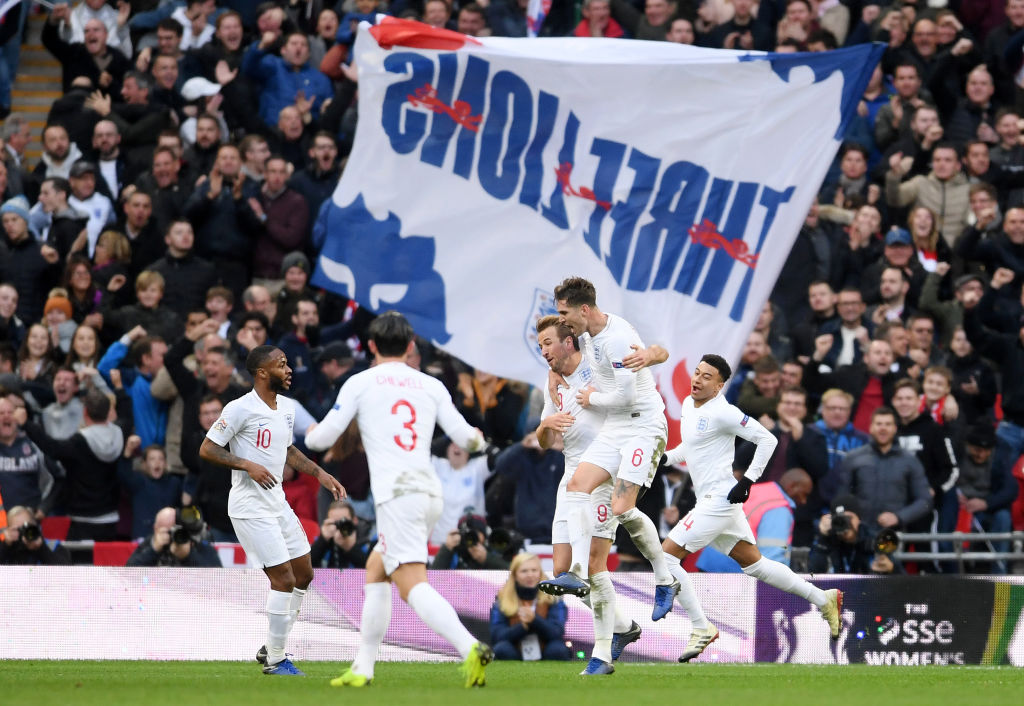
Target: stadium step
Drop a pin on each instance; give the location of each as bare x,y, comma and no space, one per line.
37,85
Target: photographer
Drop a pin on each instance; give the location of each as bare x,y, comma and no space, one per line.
466,547
339,545
176,541
844,545
23,542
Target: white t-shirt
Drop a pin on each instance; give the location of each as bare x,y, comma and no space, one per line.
588,420
462,488
625,395
708,446
255,432
396,408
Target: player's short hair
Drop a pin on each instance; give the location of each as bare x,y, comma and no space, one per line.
718,363
97,406
391,333
258,357
576,291
563,331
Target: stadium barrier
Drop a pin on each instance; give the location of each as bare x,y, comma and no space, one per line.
218,614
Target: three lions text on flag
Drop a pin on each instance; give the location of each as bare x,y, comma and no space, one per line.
484,171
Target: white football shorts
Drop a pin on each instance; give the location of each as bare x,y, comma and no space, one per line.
605,523
271,541
629,452
719,527
404,524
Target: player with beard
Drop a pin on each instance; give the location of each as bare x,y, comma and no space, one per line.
257,428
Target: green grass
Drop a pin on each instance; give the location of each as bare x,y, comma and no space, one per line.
518,684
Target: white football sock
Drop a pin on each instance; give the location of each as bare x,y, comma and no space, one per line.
604,615
372,626
440,617
279,616
578,515
622,623
782,577
645,536
687,595
294,606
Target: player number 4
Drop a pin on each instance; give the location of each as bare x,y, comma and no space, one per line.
406,444
687,521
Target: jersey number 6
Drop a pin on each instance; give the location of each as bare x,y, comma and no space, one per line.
406,444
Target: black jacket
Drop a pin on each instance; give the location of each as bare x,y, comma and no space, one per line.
933,448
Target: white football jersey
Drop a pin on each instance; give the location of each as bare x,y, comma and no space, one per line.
605,352
396,408
708,446
588,420
255,432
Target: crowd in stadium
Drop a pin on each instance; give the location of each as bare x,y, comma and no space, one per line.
168,228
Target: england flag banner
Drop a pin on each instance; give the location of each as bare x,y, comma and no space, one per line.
486,170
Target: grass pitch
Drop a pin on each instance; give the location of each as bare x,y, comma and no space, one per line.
508,684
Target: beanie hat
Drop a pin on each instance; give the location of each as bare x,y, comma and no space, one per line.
58,302
295,259
18,205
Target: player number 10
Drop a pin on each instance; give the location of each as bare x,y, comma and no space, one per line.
263,438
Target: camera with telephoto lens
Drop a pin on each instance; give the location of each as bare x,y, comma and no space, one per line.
180,535
468,536
507,542
189,526
345,527
29,532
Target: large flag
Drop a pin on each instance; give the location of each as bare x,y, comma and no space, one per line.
536,11
485,171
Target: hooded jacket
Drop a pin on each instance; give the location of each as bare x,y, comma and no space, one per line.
90,458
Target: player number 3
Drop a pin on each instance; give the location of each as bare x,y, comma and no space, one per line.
410,443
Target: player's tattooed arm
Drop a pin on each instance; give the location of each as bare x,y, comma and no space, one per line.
298,460
219,456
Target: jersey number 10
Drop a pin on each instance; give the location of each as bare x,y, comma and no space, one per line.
263,438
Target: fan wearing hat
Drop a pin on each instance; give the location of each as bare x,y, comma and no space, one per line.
85,198
949,313
986,490
898,253
32,269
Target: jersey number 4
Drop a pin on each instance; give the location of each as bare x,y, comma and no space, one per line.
406,443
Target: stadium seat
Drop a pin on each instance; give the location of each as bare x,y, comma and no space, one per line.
56,527
112,553
312,529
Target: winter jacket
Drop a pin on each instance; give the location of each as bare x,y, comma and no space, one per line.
949,200
892,481
280,82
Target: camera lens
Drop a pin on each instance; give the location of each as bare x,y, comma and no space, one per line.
180,535
30,532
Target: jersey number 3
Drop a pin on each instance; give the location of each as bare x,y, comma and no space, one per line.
406,444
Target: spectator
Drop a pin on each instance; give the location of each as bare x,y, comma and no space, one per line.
59,153
37,360
525,624
340,545
196,31
824,319
287,79
209,484
90,463
438,16
187,277
149,313
681,31
493,405
847,547
12,329
30,268
1004,249
168,42
759,396
168,193
335,363
223,219
72,28
283,215
526,484
16,135
944,190
743,31
202,153
462,485
985,491
171,544
151,489
317,181
888,482
147,352
103,65
22,465
507,18
754,349
974,381
298,343
85,199
893,122
166,90
654,21
597,21
869,382
63,417
472,21
807,262
23,542
57,224
467,548
769,512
